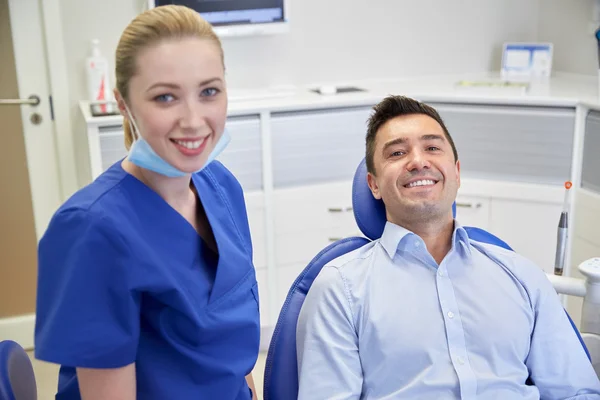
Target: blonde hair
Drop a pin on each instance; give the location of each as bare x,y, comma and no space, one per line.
149,28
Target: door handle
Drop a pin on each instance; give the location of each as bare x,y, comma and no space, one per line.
32,100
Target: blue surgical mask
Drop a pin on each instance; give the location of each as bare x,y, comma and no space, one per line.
142,154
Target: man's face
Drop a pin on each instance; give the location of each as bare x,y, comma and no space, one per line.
415,171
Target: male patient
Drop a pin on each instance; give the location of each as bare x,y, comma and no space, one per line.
423,312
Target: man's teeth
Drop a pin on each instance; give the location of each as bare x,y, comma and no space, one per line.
188,144
423,182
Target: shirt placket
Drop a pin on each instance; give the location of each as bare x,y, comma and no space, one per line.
455,332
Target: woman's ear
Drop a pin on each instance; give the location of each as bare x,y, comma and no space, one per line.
121,103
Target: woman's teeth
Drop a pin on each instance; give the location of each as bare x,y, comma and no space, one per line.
188,144
423,182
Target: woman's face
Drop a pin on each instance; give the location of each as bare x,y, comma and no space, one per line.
178,99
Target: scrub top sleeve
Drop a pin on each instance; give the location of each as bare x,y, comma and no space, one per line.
87,315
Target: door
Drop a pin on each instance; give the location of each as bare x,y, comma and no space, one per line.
29,180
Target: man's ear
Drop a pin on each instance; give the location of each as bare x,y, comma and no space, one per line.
372,182
458,172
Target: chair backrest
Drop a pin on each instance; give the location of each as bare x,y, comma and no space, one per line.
17,379
281,369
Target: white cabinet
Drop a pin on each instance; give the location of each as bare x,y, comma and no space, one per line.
473,211
255,207
317,146
590,171
243,155
307,219
513,162
512,143
530,228
264,297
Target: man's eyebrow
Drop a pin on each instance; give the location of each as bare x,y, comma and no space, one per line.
433,137
401,140
393,142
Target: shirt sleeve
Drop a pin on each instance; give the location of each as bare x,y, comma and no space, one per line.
327,343
86,315
557,362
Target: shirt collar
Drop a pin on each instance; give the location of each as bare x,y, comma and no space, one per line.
394,234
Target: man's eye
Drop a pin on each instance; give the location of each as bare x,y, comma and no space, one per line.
397,154
433,148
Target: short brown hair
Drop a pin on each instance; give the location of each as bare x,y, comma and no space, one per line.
396,106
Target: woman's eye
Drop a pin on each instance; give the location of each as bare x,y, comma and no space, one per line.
210,92
164,98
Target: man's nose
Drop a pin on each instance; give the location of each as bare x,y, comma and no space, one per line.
417,161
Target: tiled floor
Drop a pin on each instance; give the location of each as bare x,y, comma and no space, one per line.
47,375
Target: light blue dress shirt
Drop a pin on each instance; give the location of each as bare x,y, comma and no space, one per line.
386,322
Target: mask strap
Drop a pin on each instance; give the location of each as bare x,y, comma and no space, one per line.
132,124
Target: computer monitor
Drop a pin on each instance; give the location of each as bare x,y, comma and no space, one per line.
239,17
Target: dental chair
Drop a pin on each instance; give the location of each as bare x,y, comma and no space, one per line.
17,379
281,370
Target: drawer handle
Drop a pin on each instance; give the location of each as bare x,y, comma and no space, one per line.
339,209
334,239
468,205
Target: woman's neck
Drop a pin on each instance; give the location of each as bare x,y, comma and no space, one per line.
177,192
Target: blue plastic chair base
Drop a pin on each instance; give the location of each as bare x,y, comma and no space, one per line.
17,379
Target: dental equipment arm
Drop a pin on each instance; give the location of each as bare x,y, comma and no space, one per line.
589,289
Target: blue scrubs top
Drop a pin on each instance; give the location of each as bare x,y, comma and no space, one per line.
123,278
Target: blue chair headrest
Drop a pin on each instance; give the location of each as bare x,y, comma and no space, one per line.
368,211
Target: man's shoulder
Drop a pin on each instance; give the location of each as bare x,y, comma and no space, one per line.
524,269
353,258
355,265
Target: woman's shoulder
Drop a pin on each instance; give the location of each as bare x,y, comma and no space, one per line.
96,203
220,177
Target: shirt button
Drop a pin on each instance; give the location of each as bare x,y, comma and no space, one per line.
450,314
460,360
417,244
440,273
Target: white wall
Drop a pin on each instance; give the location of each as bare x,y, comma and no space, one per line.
566,23
334,39
331,40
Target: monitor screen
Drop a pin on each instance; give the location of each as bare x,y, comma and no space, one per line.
234,12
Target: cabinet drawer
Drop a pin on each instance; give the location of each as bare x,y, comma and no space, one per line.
317,146
286,275
590,172
112,145
473,211
243,155
530,228
312,208
255,208
263,296
513,143
301,247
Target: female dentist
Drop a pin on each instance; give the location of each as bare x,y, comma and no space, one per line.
146,286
